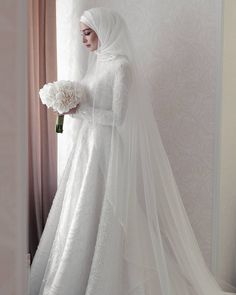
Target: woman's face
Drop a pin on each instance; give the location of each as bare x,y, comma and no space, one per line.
90,38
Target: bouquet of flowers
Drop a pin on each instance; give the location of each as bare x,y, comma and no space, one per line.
61,96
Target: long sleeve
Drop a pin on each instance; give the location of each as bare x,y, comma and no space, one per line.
116,115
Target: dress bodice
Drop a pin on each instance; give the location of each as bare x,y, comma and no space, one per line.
106,89
100,84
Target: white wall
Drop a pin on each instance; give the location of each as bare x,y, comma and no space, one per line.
13,147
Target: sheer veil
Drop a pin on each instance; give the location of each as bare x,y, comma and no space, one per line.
158,244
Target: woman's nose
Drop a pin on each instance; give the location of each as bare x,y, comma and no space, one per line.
84,40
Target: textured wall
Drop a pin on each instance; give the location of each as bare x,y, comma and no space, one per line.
186,69
13,148
179,45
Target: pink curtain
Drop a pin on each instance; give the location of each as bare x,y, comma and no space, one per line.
42,136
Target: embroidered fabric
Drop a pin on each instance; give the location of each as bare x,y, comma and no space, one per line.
116,74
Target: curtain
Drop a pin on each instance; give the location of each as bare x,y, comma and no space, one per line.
42,137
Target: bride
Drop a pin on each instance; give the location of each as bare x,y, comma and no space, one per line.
117,225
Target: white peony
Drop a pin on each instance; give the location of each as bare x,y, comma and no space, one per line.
47,94
61,95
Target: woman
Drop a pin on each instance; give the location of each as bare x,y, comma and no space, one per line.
117,225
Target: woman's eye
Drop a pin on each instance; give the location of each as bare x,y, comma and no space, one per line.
86,33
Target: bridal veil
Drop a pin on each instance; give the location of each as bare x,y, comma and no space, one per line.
158,243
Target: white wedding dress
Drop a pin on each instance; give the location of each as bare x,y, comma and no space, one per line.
81,249
71,258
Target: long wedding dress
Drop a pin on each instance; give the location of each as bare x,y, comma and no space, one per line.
117,225
70,257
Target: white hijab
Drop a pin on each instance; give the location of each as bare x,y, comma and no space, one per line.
111,31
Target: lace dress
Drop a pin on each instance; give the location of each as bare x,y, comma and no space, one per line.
78,242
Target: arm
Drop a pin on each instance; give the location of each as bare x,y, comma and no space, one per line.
121,86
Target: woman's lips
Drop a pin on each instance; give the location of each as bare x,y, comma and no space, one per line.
88,45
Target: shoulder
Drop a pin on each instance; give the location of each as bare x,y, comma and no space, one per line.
121,62
122,66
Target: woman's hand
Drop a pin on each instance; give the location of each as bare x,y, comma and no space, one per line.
71,111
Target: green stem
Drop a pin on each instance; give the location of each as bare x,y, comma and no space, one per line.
59,123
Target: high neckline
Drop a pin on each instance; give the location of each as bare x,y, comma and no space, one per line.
107,58
104,57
